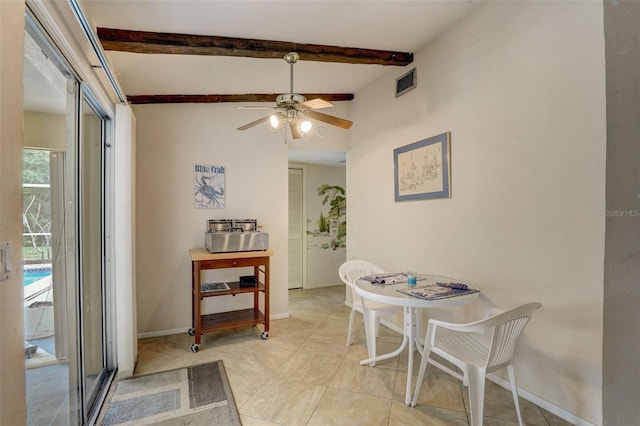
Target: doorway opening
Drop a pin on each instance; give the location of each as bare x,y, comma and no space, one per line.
317,224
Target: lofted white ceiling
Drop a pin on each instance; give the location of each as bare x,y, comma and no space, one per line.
395,25
383,25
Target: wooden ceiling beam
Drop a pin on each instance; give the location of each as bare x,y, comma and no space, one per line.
190,44
209,99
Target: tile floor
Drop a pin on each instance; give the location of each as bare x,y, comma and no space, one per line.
304,374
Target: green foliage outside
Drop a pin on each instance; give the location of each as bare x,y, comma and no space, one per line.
36,205
35,166
32,255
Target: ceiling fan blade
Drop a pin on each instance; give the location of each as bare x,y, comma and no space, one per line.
295,131
316,103
254,123
255,107
329,119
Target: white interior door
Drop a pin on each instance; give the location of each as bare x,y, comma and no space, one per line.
295,228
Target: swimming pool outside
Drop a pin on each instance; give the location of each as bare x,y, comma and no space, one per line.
33,273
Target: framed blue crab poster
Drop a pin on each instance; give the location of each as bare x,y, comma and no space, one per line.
208,192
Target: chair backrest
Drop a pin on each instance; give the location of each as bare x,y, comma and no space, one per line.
351,270
506,328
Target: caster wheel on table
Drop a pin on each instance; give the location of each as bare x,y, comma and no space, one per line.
194,348
264,335
191,332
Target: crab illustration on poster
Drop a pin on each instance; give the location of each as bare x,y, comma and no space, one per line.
208,186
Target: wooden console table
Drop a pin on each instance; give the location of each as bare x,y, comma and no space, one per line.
202,259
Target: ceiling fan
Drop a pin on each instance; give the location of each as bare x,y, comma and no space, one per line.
294,110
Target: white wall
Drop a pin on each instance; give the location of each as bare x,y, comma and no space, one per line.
42,130
171,139
124,175
520,86
12,376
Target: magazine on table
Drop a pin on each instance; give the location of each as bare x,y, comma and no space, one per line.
207,287
388,278
439,291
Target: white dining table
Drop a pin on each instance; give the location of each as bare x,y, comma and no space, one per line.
388,293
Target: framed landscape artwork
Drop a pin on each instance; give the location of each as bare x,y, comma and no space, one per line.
423,169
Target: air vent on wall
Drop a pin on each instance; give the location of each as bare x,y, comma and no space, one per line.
406,83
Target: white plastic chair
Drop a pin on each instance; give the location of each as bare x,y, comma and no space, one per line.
477,348
350,271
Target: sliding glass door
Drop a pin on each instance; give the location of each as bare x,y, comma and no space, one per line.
92,291
69,362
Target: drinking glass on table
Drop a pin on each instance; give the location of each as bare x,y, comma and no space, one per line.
412,278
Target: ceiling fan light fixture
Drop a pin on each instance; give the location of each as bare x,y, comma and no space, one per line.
294,111
305,126
273,120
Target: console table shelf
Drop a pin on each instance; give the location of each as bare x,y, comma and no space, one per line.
201,323
231,319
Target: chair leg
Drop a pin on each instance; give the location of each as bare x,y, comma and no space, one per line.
465,377
370,329
476,395
350,331
514,392
423,368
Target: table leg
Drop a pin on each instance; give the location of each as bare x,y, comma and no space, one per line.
197,302
408,330
407,340
397,352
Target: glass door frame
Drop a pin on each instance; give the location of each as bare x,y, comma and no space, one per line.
83,406
92,398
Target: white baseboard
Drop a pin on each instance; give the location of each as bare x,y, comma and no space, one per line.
382,321
391,326
162,333
184,330
125,374
542,403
